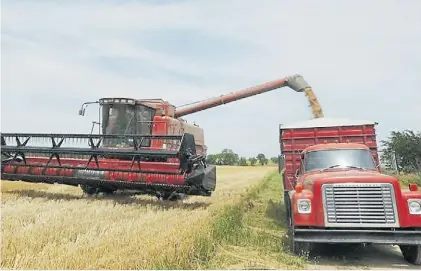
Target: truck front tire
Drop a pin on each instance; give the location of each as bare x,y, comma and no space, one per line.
302,249
411,253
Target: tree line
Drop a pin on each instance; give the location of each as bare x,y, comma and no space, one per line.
229,158
401,151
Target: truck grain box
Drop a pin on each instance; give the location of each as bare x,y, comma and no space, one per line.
294,138
334,191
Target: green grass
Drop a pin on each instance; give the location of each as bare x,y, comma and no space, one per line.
250,237
406,179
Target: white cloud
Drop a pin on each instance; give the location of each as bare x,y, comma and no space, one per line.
362,61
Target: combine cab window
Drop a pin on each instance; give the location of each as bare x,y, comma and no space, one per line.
126,119
118,119
144,121
339,158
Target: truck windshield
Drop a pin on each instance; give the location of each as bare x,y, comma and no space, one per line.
339,158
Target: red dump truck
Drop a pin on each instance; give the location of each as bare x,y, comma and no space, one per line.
334,190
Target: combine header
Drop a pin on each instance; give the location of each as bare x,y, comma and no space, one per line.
143,145
78,159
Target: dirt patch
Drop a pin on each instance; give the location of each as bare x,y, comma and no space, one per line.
359,257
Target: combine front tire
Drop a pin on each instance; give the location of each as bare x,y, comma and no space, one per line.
411,253
89,190
171,196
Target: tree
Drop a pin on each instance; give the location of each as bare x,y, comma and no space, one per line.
274,160
242,161
229,157
404,150
226,157
265,161
253,161
211,158
262,159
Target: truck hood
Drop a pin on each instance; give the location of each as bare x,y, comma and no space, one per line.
345,176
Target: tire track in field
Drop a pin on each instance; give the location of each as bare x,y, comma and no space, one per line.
360,257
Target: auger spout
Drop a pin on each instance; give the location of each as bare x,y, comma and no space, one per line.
295,82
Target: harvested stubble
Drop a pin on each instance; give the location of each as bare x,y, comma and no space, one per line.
52,227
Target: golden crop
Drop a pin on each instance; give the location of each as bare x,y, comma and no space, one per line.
54,227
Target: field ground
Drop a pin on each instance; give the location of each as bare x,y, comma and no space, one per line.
240,227
52,226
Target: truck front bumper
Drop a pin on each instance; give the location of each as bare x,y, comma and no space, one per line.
392,237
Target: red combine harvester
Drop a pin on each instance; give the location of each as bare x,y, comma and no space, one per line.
143,145
334,191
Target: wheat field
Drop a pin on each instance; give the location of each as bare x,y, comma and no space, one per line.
54,227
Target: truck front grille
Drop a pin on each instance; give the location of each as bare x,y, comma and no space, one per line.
359,205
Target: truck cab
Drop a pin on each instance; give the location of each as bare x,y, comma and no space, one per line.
338,194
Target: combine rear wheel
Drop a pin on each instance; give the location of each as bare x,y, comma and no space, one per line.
411,253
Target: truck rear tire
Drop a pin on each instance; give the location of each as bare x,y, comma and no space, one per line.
411,253
287,204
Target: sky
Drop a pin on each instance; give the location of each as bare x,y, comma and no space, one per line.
362,59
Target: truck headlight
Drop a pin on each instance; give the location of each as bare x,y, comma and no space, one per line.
414,206
304,206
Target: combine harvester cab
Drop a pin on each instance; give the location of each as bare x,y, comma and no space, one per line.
334,190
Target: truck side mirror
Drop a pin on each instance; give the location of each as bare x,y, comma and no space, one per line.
281,162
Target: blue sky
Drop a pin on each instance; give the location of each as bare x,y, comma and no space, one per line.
361,57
